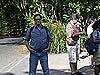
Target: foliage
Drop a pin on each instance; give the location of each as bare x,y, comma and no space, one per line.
59,37
17,15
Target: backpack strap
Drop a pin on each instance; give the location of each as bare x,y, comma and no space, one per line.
46,32
31,31
97,34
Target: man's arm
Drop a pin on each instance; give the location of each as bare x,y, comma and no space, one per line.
96,41
68,33
49,45
28,46
27,39
78,31
49,38
95,36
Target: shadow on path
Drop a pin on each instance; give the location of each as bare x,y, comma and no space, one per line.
87,70
7,73
52,72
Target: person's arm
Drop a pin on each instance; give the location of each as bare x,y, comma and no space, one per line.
49,38
95,35
49,45
27,40
69,30
97,41
78,31
28,46
68,33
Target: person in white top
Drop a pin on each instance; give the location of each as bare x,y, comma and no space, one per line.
89,29
73,31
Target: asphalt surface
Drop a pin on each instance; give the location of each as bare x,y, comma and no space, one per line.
9,56
14,61
58,64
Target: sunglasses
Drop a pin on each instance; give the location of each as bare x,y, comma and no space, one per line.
37,19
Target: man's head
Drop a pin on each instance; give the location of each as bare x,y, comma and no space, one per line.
75,17
96,24
37,19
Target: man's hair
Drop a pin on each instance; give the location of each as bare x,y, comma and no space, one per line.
96,24
75,16
37,15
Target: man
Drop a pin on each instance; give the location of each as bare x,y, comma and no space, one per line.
38,41
96,40
73,31
89,31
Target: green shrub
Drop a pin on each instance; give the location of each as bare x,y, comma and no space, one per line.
59,36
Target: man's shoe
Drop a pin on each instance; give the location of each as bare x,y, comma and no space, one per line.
78,73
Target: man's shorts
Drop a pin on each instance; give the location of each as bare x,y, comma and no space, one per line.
73,53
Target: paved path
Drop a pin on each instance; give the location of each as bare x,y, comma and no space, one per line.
58,63
13,61
10,55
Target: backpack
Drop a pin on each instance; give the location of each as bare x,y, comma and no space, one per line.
90,46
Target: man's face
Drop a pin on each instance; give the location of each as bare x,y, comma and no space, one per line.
37,20
74,21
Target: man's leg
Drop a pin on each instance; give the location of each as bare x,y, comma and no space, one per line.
97,69
33,62
92,62
44,63
96,58
73,67
73,57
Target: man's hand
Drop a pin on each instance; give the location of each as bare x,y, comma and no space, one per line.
30,49
45,50
79,33
28,46
69,41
